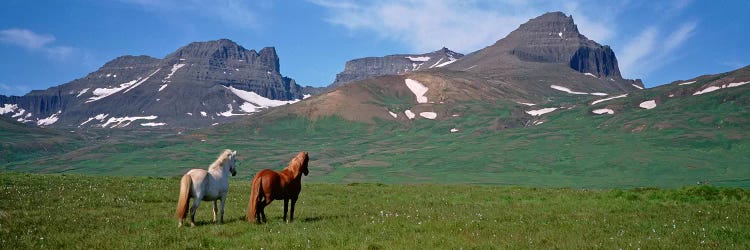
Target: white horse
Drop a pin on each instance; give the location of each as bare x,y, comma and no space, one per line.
211,185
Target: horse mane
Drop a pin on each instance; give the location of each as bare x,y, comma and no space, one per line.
296,163
220,161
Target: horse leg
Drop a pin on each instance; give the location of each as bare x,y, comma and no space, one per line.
193,209
221,219
263,209
291,212
215,210
286,203
263,213
267,201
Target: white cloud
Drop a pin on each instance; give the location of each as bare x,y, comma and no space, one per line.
32,41
652,49
231,12
466,26
638,48
25,38
680,35
425,25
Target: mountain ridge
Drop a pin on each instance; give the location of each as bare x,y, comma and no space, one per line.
530,66
368,67
199,84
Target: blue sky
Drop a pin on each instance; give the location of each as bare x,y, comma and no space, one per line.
48,43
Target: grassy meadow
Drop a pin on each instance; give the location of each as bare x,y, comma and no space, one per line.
79,211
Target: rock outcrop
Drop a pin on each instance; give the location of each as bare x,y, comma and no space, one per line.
368,67
554,37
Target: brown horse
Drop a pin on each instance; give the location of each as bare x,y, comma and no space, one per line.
269,185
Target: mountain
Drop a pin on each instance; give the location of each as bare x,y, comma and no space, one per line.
546,61
368,67
550,38
200,84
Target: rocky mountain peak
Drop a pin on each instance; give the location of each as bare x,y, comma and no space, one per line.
129,61
368,67
551,22
554,38
268,56
219,52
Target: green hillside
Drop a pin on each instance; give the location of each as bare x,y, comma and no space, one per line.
23,143
685,139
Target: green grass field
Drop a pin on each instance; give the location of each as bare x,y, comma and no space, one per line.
78,211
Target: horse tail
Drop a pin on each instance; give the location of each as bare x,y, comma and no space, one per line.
182,203
255,194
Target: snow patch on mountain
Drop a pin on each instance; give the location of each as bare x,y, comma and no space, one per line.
98,117
83,91
248,107
428,115
100,93
125,121
8,108
603,111
24,119
20,113
174,69
436,63
567,90
539,112
648,104
607,99
141,81
715,88
49,120
452,60
230,112
707,90
737,84
153,124
257,99
418,58
409,114
686,83
637,87
418,89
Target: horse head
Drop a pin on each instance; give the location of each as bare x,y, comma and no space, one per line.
303,168
233,163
